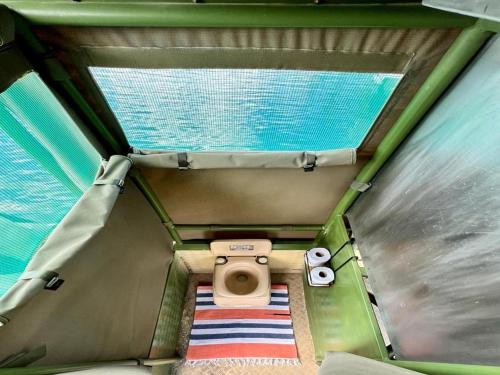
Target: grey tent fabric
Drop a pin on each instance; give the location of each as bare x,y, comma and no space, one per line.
211,160
488,9
79,226
429,228
339,363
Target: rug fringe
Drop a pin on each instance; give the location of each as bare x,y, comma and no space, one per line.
243,362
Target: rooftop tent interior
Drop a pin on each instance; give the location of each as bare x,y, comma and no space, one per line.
135,133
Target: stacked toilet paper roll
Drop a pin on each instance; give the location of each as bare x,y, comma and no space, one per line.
322,275
317,258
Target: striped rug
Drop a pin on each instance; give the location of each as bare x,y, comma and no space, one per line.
246,336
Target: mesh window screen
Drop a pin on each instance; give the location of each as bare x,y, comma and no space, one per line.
244,109
45,165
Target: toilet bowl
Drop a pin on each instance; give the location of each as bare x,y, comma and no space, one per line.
241,275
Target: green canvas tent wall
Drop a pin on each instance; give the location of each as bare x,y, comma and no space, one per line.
138,132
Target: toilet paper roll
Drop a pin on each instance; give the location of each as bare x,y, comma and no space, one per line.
322,275
318,256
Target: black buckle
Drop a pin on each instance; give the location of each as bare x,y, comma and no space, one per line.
310,162
182,161
121,185
54,283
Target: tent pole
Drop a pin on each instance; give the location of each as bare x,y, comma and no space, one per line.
164,14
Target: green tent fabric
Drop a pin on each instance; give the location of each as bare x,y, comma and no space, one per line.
97,203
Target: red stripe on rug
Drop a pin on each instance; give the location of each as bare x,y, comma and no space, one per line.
279,286
204,287
200,352
241,314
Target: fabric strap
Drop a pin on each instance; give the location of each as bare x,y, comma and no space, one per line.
110,181
43,275
245,159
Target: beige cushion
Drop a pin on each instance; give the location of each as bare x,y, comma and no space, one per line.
338,363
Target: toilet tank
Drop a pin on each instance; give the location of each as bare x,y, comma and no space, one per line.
241,248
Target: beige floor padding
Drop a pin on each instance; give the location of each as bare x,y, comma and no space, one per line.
300,327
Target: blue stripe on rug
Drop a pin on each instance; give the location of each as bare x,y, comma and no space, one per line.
241,335
279,294
242,325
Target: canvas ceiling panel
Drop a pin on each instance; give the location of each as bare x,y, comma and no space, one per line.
412,51
246,58
251,196
429,228
108,305
370,40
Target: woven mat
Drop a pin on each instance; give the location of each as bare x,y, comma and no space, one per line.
242,336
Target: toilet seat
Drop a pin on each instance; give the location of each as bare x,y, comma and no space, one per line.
225,286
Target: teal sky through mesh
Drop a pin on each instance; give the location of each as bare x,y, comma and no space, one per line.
45,165
244,109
